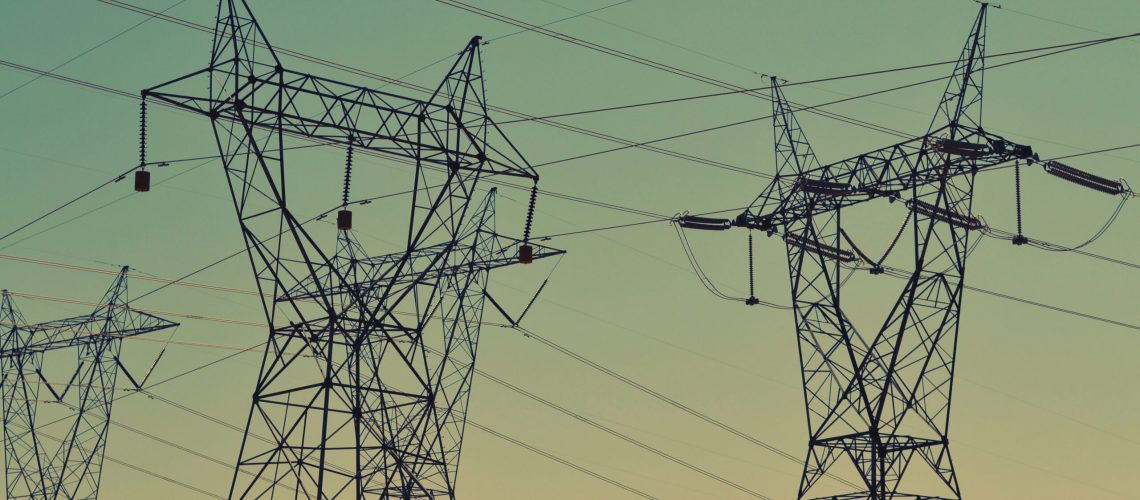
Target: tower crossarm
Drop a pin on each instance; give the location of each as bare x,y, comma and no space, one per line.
888,172
428,264
72,332
328,111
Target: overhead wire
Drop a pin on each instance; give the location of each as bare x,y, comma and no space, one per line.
661,397
357,71
620,435
651,63
530,334
513,33
481,373
484,374
626,144
785,84
427,90
799,108
90,49
560,460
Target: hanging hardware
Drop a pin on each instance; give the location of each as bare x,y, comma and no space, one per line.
704,223
1019,238
1082,178
142,177
344,215
526,251
751,300
944,215
828,251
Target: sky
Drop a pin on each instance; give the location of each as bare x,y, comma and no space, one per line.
1045,403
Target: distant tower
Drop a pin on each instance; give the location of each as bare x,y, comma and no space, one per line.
73,363
364,384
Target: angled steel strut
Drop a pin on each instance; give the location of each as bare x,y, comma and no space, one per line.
357,400
73,363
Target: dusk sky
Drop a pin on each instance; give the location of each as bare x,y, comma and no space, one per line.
1045,400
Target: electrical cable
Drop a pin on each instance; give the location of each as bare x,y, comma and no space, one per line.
91,49
804,82
650,63
800,108
426,90
659,396
560,460
513,33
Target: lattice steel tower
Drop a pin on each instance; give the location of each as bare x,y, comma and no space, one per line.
879,401
74,364
363,387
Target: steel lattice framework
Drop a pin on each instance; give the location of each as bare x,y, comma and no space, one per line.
84,353
881,401
365,379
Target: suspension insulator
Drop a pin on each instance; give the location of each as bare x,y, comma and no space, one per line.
944,215
961,148
1083,178
526,254
704,223
344,220
821,187
142,181
828,251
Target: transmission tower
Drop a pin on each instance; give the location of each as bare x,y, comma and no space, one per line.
880,401
73,364
365,379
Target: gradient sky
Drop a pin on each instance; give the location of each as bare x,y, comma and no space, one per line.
1046,405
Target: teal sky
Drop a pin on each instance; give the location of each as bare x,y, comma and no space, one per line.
1046,402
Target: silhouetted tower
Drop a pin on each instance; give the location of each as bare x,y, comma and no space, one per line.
879,402
364,384
72,363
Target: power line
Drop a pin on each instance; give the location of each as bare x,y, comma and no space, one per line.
68,203
620,435
799,107
516,442
597,366
646,145
673,100
497,380
560,460
661,397
226,424
89,50
419,88
517,32
654,64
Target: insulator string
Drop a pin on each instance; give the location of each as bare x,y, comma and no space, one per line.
751,268
530,213
347,174
1017,193
142,133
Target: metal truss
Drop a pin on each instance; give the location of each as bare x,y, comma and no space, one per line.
363,387
879,402
71,366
